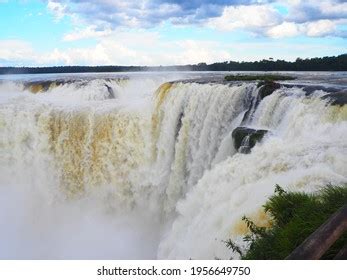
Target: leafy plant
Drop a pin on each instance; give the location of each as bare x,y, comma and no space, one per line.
295,215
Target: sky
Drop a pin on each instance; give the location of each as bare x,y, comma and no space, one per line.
168,32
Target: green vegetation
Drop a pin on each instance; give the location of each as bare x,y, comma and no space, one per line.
265,78
295,215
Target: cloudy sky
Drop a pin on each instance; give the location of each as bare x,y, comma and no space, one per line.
168,32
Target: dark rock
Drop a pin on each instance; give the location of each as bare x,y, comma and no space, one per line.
311,89
245,138
267,88
179,124
111,94
337,98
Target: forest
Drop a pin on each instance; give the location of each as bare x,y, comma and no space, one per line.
328,63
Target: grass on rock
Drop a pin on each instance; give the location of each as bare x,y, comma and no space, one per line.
269,77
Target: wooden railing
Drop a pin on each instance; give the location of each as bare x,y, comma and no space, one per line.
314,246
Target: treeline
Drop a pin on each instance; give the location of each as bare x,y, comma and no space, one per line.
328,63
331,63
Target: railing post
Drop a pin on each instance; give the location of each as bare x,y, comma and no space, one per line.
314,246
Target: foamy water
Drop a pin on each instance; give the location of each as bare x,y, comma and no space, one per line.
138,166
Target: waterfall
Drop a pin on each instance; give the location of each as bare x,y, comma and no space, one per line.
156,161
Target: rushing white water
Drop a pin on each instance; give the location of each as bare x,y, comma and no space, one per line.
140,168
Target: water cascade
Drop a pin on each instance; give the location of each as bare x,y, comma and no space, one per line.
155,164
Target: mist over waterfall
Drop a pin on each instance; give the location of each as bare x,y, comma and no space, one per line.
153,165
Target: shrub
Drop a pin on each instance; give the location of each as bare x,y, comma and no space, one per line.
295,215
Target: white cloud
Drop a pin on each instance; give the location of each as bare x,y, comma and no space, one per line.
192,52
310,18
246,17
15,50
57,9
132,46
88,32
124,49
318,28
332,8
258,17
121,48
286,29
301,11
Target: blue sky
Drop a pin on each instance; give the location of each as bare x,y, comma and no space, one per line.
168,32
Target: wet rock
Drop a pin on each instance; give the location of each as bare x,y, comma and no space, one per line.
245,138
337,98
111,94
42,86
311,89
179,124
267,88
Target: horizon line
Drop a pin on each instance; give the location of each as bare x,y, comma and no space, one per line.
270,59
